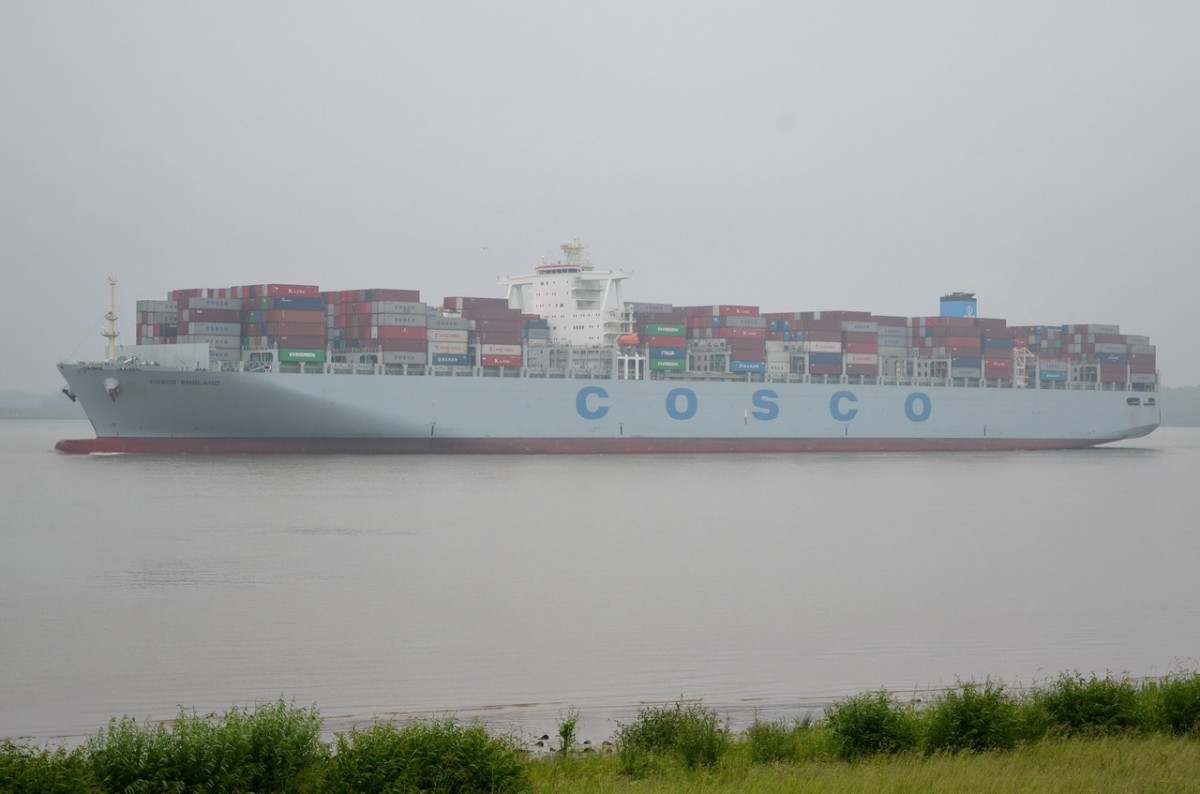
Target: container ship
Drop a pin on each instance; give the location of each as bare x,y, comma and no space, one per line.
563,364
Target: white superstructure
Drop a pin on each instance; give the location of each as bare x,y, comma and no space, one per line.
582,305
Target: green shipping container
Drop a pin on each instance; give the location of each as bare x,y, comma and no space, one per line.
311,356
676,364
665,329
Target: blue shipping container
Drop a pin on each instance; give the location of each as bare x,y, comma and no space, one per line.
296,302
966,362
668,352
1112,358
998,344
824,358
747,366
1043,375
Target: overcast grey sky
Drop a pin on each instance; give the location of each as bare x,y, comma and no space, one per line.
794,155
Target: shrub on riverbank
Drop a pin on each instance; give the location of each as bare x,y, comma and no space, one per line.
447,757
273,748
690,734
277,747
972,717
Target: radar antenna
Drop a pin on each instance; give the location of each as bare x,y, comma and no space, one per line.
576,254
111,333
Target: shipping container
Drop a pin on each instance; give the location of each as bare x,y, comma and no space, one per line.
665,341
668,352
308,356
393,319
667,365
499,350
747,366
398,332
396,358
443,335
446,360
500,361
450,348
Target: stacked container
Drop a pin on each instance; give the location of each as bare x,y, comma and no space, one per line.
448,340
293,325
157,322
216,322
373,320
495,329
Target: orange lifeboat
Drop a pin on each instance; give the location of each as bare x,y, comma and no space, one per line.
627,340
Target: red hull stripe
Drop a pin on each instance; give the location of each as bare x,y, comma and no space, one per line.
548,446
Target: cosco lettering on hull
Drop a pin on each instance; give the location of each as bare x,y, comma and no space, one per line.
591,402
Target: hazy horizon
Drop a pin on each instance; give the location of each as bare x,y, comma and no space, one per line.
803,156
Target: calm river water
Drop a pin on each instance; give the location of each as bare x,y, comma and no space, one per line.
513,587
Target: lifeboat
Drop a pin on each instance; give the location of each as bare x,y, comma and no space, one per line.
627,340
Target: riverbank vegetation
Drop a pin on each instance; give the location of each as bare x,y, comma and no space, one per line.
1075,734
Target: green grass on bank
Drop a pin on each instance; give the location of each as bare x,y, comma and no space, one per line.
1075,734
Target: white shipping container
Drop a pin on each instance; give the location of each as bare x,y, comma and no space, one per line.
499,350
450,348
212,341
440,335
398,307
403,358
225,354
778,355
1142,350
213,303
860,327
1142,377
395,319
1105,347
778,367
157,306
212,329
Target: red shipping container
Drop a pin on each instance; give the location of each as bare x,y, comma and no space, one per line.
825,369
500,361
398,332
300,342
822,336
736,311
665,341
862,369
210,316
297,329
291,316
402,345
401,295
822,326
1113,373
739,333
860,347
292,290
499,338
499,325
860,336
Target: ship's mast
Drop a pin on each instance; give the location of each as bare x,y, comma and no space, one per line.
111,333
